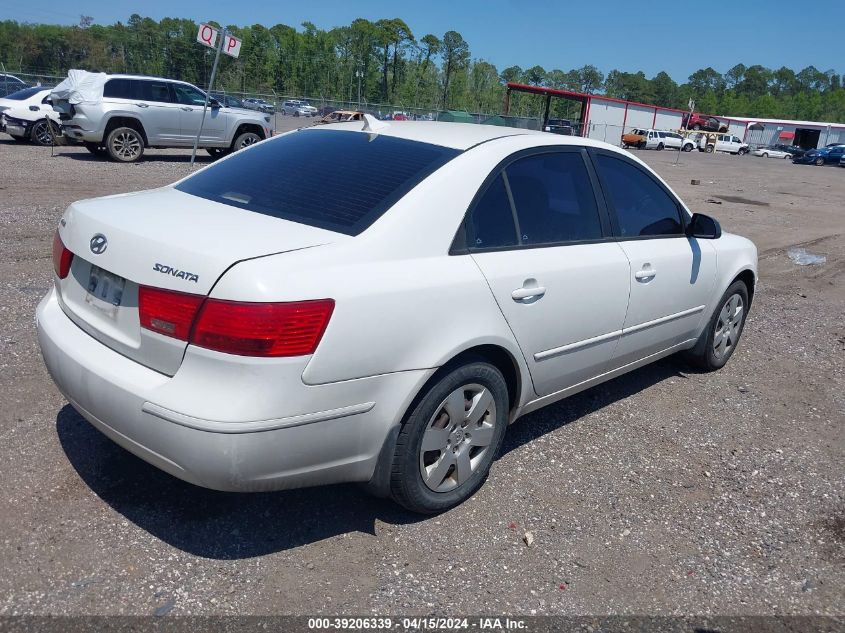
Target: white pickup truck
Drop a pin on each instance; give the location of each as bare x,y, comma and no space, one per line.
722,143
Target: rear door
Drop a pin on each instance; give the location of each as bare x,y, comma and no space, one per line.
542,240
156,110
671,275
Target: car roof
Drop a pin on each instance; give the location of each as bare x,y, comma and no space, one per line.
463,136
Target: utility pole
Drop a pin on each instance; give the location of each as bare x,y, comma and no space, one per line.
359,73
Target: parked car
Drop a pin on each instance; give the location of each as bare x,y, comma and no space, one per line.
130,113
27,115
341,116
657,139
842,162
634,138
10,84
559,126
673,140
324,110
830,155
228,101
780,150
772,151
722,143
702,122
262,324
294,107
259,104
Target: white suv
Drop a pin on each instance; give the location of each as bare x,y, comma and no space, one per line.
134,112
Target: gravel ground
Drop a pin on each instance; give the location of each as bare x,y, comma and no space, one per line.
666,491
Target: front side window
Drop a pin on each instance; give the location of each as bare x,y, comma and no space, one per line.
188,95
642,206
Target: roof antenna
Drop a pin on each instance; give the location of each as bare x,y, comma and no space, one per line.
372,124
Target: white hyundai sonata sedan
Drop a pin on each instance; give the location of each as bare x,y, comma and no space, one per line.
349,304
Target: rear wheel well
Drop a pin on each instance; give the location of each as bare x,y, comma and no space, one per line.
123,121
497,356
746,277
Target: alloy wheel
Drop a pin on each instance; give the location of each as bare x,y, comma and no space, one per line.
42,133
728,326
126,145
457,437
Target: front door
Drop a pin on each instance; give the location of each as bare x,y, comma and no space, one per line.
191,103
671,276
543,243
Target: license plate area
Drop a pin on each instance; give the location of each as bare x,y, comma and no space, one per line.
105,291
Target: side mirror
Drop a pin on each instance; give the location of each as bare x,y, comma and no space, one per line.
704,227
214,103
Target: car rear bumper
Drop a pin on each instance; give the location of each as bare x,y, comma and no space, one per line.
338,439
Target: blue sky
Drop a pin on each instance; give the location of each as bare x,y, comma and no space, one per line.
650,35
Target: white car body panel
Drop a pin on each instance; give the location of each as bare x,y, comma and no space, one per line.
404,307
767,152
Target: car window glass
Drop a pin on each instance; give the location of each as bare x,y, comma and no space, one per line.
188,95
321,178
117,89
491,222
642,206
151,91
554,199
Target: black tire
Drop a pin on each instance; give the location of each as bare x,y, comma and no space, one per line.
696,127
709,149
40,133
765,155
97,150
705,355
660,147
641,145
244,140
820,161
125,145
688,147
407,486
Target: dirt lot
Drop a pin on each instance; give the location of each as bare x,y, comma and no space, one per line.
665,491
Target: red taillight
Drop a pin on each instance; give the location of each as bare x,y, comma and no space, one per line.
167,312
62,257
262,329
245,329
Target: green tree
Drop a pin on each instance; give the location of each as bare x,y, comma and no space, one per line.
455,53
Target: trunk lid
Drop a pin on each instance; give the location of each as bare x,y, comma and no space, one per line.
166,239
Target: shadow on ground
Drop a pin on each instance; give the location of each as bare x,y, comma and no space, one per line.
228,526
86,156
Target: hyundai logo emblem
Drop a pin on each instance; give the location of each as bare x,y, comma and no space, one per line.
99,243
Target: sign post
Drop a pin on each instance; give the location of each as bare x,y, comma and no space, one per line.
207,36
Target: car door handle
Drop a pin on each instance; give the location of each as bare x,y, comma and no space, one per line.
520,294
143,105
645,273
187,109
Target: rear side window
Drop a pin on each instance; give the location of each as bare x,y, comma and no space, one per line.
148,90
117,89
26,93
331,179
642,206
491,222
554,199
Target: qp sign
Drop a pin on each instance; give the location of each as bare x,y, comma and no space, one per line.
231,45
207,35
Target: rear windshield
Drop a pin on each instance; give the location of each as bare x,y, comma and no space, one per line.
342,181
